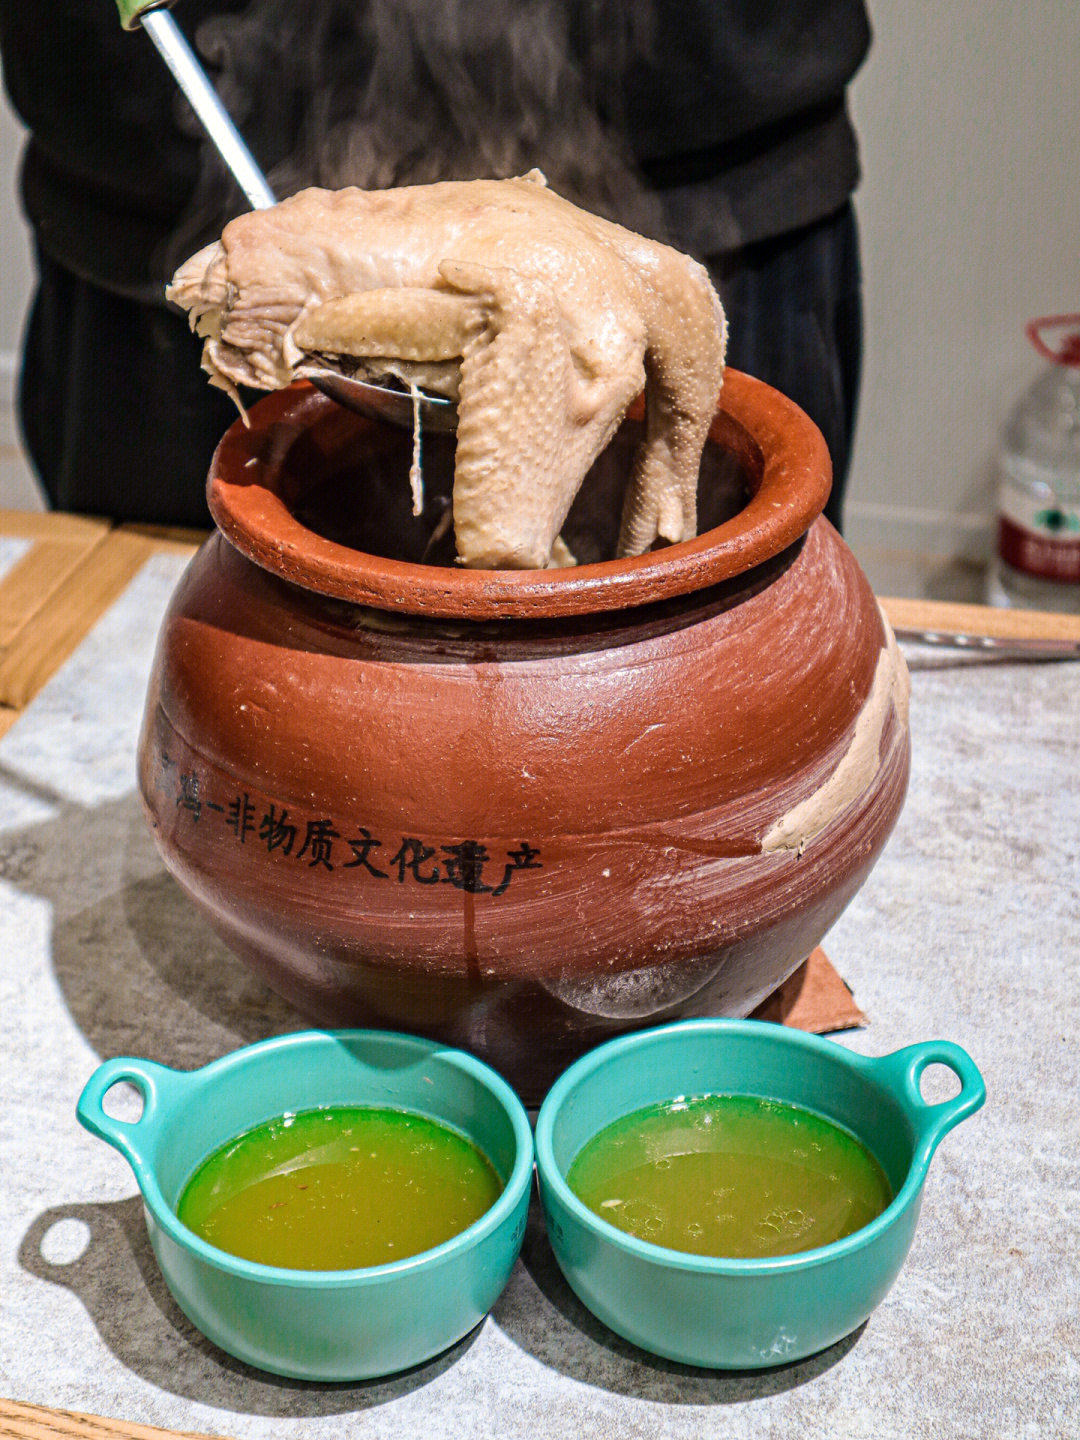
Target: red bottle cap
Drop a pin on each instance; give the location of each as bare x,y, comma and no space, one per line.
1057,338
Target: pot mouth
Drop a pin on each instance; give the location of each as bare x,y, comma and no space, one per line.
258,469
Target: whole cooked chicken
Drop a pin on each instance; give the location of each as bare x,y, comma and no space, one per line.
542,321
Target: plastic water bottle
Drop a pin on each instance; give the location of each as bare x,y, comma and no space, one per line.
1037,565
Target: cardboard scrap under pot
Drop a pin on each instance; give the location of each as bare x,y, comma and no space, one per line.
815,998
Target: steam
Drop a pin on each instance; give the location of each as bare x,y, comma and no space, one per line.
398,92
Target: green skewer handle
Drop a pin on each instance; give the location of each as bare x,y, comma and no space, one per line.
132,11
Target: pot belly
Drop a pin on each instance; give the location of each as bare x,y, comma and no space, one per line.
524,843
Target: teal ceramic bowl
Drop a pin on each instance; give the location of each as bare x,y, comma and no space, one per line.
322,1324
744,1314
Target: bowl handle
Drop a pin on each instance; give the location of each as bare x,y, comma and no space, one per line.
902,1070
156,1084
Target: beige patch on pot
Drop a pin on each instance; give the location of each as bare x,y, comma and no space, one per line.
855,773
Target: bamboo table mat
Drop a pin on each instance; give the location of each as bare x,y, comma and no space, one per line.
41,1422
51,598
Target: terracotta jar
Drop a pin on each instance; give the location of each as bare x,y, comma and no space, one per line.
520,811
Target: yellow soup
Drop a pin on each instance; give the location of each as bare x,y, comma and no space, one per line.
340,1187
730,1175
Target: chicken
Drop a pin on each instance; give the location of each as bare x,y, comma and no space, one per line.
544,322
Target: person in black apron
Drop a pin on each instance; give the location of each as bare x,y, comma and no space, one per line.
727,135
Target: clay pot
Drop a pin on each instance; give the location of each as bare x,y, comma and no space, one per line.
520,811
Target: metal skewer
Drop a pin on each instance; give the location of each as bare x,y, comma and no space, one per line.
1003,646
379,401
205,101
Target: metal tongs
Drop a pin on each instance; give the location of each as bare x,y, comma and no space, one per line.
434,412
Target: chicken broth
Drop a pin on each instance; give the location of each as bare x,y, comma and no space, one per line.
730,1175
339,1187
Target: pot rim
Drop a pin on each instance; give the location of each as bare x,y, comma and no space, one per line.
768,432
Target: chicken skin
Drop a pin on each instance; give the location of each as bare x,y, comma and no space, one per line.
542,321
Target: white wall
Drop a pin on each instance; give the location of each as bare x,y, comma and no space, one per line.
18,490
969,116
15,269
